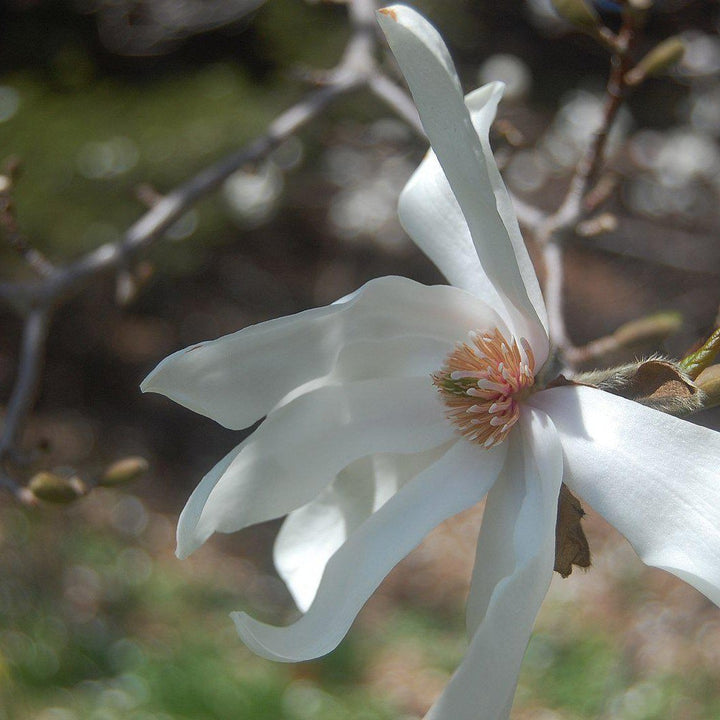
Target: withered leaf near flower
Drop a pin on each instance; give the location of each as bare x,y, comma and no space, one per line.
571,545
657,383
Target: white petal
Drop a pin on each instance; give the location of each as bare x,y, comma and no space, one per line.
394,325
514,564
311,534
190,515
432,217
655,477
302,446
482,104
466,162
458,480
495,554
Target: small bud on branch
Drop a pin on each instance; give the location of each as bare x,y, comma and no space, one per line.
659,60
54,488
124,471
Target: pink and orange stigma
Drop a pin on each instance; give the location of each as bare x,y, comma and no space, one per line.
482,383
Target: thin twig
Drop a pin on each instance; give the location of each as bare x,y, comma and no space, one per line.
574,208
9,224
30,364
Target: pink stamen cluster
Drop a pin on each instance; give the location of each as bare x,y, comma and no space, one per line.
483,381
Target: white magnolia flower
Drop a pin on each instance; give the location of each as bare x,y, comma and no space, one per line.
401,405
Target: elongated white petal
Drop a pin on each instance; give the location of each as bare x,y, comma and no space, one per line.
395,327
311,534
495,557
655,477
459,479
432,217
482,104
466,160
430,214
302,446
513,568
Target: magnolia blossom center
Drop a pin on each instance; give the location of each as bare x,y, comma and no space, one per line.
483,382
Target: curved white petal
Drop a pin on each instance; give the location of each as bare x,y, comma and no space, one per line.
514,564
302,446
468,165
190,515
482,104
432,217
311,534
396,327
459,479
655,477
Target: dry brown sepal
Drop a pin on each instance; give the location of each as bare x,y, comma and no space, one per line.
658,61
657,382
571,545
57,489
124,471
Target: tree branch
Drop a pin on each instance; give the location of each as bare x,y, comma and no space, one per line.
574,208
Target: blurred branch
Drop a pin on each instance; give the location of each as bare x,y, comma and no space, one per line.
632,338
575,207
397,99
32,356
37,301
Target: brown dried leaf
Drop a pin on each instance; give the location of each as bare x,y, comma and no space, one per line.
657,383
571,545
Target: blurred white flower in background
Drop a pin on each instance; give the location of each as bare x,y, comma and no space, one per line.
401,405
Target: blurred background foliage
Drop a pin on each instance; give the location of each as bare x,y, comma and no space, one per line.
99,98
